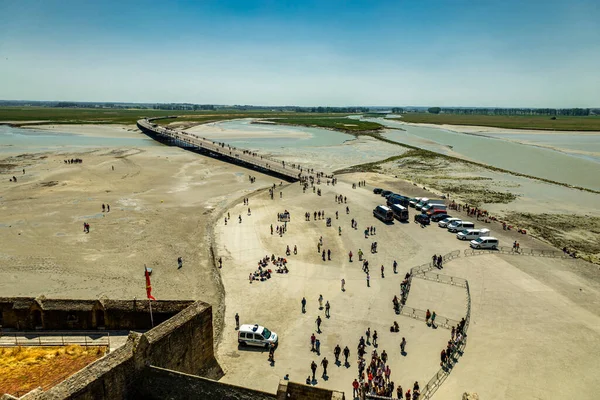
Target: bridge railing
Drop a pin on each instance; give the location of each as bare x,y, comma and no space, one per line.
193,140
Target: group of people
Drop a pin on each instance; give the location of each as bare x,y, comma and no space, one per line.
437,261
374,247
74,161
105,207
340,199
284,216
263,272
374,376
404,288
447,356
279,229
288,251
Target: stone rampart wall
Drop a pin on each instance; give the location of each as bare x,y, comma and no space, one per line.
160,384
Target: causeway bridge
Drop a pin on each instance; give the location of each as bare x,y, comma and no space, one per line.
224,152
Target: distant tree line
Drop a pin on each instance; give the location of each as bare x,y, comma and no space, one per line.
578,112
184,106
397,110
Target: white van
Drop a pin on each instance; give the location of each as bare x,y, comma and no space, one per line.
444,223
256,335
469,234
485,242
460,225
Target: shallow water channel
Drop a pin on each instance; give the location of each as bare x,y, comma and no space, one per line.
20,140
572,168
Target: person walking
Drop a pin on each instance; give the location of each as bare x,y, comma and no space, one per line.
336,353
395,265
427,316
346,354
318,321
237,321
329,254
402,346
295,250
375,338
355,388
327,307
360,255
368,334
320,302
368,280
313,340
323,255
382,268
433,319
318,346
324,363
303,302
343,285
313,368
350,256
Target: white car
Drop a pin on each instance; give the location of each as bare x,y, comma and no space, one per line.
469,234
256,335
445,222
485,242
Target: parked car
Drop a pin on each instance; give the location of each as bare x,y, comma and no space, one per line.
439,217
377,190
471,234
256,335
485,242
384,213
423,219
457,226
435,211
413,202
444,223
398,199
386,193
430,207
422,203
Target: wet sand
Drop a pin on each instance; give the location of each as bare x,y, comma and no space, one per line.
163,201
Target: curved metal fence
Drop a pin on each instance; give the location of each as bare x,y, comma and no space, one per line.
517,252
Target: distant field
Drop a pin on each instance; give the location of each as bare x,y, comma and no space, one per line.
340,124
508,121
129,116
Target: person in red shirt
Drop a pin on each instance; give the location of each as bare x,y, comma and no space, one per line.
355,388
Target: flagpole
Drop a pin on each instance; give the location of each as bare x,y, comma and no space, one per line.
151,318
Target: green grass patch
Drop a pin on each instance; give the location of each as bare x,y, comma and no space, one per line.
130,116
561,123
336,123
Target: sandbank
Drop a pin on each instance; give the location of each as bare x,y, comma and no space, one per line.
94,130
215,130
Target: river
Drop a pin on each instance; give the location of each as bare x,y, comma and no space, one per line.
502,151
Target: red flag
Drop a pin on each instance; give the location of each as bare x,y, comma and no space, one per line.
148,285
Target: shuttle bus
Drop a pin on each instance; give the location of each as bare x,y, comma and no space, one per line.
400,212
383,213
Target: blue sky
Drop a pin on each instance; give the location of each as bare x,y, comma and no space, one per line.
419,52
